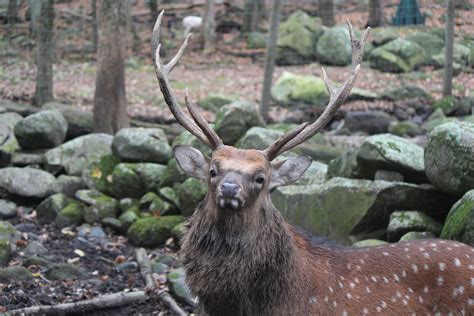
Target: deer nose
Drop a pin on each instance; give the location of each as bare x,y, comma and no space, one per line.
229,189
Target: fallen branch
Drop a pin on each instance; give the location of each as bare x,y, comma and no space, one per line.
164,296
97,303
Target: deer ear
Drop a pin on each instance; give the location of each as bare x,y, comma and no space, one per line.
192,161
288,171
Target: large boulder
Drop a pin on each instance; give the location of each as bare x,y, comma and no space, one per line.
99,205
297,38
41,130
343,207
75,155
334,47
27,182
449,157
50,207
392,153
345,166
411,52
79,122
315,174
383,35
190,193
72,214
135,179
405,129
152,231
406,92
300,89
213,102
431,43
233,120
173,174
98,174
402,222
370,122
384,60
141,145
7,209
459,224
188,139
258,138
8,141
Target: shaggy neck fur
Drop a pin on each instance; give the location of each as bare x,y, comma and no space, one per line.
241,263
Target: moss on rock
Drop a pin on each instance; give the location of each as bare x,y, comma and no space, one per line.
153,231
459,224
72,214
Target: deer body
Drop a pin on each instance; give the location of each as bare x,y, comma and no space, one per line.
242,258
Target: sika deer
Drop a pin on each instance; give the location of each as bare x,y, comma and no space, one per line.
242,258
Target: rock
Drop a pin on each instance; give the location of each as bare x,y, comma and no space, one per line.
5,252
362,94
256,40
258,138
369,243
417,236
8,141
213,102
342,207
27,182
391,176
37,261
370,122
113,223
177,280
100,205
45,129
22,159
190,193
384,60
141,145
72,214
405,129
79,122
334,47
431,44
392,153
127,219
460,54
152,203
35,248
51,206
188,139
127,203
459,224
383,36
412,53
14,274
65,271
300,89
233,120
98,174
297,37
173,174
170,195
134,180
152,231
179,230
7,209
406,92
345,166
437,118
68,185
402,222
449,157
158,267
75,155
319,152
315,174
447,104
127,267
8,232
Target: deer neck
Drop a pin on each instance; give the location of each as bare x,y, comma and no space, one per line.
250,257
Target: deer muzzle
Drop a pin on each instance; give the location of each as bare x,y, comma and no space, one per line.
229,195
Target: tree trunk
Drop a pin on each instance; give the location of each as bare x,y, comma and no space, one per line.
110,105
153,4
270,59
208,29
95,30
463,4
254,11
376,17
45,54
12,17
35,12
326,12
448,55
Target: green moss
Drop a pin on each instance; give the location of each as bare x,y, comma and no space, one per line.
126,182
5,252
152,231
446,104
99,174
14,274
7,231
128,218
386,61
291,88
73,214
459,224
190,193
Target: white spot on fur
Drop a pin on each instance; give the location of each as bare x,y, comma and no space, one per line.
374,279
420,299
331,290
457,262
440,280
414,267
352,285
365,311
385,253
405,302
427,255
349,295
385,279
404,273
425,289
367,289
426,267
442,266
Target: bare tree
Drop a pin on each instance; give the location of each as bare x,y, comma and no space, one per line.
254,11
376,17
110,104
270,59
12,17
208,29
45,54
95,30
326,12
35,12
448,56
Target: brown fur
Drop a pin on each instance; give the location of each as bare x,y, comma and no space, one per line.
251,262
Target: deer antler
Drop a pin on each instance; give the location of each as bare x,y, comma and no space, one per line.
336,97
197,125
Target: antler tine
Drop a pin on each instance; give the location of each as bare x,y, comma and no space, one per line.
162,72
336,96
211,135
272,151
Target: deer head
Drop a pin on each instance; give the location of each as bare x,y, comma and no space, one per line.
240,179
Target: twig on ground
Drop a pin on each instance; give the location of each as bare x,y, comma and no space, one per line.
164,296
97,303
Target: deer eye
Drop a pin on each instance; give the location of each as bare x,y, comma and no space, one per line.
260,180
213,173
